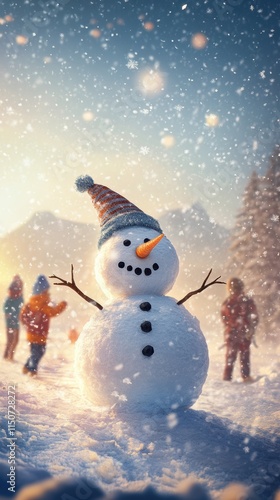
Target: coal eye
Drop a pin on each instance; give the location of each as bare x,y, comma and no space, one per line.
146,240
127,243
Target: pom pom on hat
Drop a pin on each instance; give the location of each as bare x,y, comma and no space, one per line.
41,285
83,183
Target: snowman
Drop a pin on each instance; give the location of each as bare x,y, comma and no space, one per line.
142,351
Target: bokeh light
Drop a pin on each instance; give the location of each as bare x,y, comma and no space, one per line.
95,33
168,141
151,82
88,116
149,26
21,40
199,41
212,120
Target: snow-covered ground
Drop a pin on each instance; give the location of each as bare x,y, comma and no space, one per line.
230,435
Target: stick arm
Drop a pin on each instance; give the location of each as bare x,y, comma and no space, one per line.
203,287
71,284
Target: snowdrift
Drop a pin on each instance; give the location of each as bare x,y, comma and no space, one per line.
229,436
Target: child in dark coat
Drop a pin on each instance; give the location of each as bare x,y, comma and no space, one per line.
12,307
240,318
35,315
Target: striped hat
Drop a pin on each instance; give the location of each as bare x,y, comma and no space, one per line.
114,211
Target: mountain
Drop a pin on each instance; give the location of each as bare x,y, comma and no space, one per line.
49,245
200,242
201,245
193,230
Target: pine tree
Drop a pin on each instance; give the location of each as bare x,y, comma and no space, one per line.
268,290
255,248
245,235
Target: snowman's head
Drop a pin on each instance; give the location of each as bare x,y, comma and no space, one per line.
134,256
136,261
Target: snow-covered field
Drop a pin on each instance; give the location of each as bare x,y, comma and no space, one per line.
230,435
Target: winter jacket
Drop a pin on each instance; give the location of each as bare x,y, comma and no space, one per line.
240,317
36,314
11,308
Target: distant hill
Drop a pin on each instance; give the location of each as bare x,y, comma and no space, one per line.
201,245
192,230
49,245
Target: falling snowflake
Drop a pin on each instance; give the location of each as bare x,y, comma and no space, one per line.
275,218
240,90
144,150
262,74
132,64
127,381
178,108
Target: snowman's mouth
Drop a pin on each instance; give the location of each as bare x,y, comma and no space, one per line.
138,270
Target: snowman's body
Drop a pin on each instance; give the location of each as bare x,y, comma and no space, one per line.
143,351
113,370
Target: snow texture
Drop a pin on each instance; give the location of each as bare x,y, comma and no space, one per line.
231,435
113,369
122,282
144,351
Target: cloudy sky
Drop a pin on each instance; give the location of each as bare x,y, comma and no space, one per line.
166,102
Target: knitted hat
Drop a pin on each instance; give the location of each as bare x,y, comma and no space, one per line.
16,286
41,285
114,211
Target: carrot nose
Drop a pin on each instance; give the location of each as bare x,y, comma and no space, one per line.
145,249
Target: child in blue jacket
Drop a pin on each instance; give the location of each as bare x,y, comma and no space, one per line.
12,307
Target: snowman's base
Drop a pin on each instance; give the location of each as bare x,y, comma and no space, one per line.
113,370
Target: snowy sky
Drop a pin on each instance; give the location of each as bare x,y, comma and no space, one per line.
166,102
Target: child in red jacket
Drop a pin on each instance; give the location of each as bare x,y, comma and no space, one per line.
240,318
35,315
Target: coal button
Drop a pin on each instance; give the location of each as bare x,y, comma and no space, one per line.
146,326
148,350
145,306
